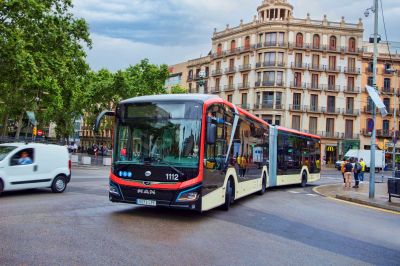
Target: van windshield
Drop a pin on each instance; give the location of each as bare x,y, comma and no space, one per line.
5,150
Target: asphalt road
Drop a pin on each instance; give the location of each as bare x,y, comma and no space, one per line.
286,226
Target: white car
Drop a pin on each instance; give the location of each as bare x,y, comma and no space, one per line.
34,165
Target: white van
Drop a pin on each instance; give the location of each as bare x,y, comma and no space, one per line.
34,165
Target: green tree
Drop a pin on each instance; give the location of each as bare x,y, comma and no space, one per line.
42,60
176,89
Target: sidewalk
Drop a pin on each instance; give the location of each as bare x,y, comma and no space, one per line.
361,195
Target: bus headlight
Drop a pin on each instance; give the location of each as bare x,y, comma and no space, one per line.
188,195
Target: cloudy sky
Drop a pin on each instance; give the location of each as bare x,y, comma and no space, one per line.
172,31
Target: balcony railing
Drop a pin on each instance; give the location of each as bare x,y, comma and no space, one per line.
368,109
216,72
335,69
351,112
313,67
352,70
351,89
215,89
349,135
332,88
297,45
331,110
230,70
313,109
243,86
266,106
271,44
314,87
296,108
244,106
384,133
267,83
387,72
298,85
330,135
297,65
331,48
387,90
245,67
279,106
229,87
351,50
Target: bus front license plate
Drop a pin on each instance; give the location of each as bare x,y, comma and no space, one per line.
146,202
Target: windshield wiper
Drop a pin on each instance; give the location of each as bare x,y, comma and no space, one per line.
172,167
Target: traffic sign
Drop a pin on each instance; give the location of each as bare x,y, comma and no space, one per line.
40,133
370,125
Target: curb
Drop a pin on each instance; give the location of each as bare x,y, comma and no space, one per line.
367,203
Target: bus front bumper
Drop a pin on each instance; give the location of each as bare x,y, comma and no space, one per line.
188,198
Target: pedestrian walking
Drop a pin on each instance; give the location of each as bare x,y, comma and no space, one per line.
347,174
356,170
361,174
342,169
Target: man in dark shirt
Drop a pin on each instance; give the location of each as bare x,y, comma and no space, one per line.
348,169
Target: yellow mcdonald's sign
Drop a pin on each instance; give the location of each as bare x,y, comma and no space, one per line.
330,148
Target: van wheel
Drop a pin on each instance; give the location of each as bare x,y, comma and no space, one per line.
229,197
1,186
59,184
263,186
304,179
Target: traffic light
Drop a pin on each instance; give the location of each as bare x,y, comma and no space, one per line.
34,131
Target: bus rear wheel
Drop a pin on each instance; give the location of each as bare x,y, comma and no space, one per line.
304,179
229,195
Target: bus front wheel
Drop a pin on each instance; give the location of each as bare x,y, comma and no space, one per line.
263,186
229,195
304,179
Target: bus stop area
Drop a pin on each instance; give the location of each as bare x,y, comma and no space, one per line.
361,195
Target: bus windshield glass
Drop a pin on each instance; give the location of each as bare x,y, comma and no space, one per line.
160,134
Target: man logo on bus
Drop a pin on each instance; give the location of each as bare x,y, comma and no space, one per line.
147,173
146,191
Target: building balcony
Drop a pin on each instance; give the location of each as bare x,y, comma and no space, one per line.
279,106
230,70
331,110
352,70
365,133
314,87
315,47
387,73
243,86
295,45
296,108
387,90
384,133
272,44
215,89
351,112
351,50
266,106
198,77
246,67
349,135
245,49
267,83
313,109
298,85
332,88
299,66
390,110
332,49
351,89
319,68
229,87
332,69
217,72
217,55
245,106
329,135
311,131
368,109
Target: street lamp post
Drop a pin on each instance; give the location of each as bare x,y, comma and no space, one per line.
373,136
395,71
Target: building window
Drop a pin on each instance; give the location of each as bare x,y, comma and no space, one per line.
352,45
218,65
332,62
269,59
219,49
332,43
299,40
350,104
231,64
350,83
269,78
296,122
298,60
385,127
296,101
244,99
313,125
281,38
280,59
332,82
331,104
348,131
279,78
277,120
370,81
314,81
351,64
297,79
278,100
316,41
246,60
229,97
386,102
217,83
314,102
386,84
258,98
233,46
270,39
247,42
330,126
315,61
267,118
268,99
245,80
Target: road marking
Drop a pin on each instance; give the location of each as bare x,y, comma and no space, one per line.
294,192
315,189
312,195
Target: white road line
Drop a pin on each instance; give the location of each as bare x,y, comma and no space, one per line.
312,195
294,192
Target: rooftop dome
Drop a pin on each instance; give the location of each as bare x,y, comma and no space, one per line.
274,10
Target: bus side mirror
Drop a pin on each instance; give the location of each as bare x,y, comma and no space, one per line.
211,133
100,117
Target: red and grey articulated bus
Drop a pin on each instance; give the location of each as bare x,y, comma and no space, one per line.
199,152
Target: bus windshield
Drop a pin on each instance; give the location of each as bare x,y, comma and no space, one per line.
160,134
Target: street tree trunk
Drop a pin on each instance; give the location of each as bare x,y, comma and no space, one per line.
5,125
19,125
